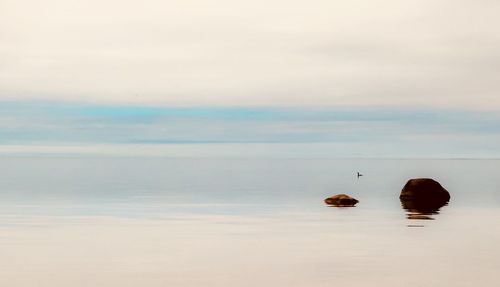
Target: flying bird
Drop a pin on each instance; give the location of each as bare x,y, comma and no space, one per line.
359,174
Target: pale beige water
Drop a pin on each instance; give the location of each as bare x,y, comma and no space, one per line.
96,227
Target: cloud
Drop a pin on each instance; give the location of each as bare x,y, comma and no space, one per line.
334,131
282,53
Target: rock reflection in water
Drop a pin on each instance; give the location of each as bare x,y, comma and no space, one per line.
420,209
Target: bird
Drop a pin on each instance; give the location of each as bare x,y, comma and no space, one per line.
359,174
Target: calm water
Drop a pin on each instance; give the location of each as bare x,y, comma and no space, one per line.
236,222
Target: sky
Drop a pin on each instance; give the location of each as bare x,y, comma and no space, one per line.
75,128
395,78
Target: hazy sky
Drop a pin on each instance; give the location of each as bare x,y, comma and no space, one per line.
422,53
326,78
246,131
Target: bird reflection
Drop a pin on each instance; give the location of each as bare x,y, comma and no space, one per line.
422,209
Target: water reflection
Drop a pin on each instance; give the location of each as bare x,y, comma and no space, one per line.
422,209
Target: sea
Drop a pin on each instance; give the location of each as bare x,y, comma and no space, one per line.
85,221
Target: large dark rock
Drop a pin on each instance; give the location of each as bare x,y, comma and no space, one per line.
341,200
423,196
424,189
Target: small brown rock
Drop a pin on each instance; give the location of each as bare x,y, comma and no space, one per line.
341,200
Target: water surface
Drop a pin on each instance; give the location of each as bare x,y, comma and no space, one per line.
243,222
